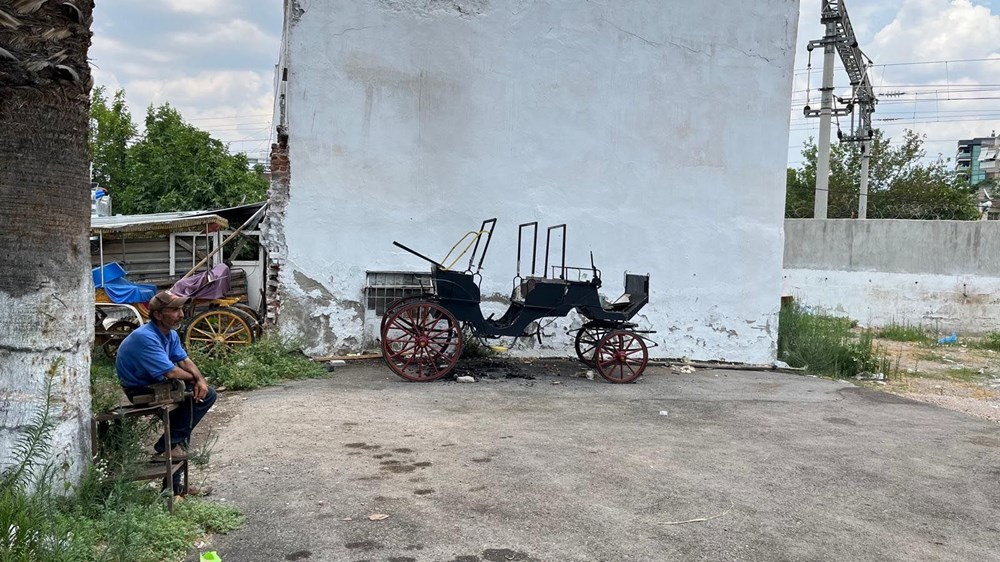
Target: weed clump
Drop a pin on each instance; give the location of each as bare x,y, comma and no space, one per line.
827,345
904,332
991,341
266,362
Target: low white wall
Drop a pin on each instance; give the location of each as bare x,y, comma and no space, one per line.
943,275
656,130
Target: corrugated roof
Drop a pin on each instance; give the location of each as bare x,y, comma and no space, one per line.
161,222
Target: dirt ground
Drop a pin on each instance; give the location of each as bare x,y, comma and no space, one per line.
958,377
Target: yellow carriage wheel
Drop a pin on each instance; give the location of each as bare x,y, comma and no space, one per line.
218,331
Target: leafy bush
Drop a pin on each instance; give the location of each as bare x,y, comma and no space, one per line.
827,345
904,332
267,362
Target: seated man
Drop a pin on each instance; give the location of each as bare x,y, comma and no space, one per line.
153,354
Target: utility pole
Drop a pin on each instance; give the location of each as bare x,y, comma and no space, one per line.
825,115
840,36
866,147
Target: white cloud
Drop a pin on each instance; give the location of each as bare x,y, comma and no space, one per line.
237,32
234,106
203,7
929,30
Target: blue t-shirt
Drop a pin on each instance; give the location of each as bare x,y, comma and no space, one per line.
146,356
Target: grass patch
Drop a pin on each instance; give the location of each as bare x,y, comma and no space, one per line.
828,345
269,361
107,516
965,374
990,341
904,332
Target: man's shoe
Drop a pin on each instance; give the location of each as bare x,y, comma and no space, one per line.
176,454
196,491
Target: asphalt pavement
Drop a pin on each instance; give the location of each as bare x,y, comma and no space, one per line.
711,465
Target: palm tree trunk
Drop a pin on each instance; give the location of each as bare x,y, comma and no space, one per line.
46,296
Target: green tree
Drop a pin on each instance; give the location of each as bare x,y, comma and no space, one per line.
899,185
111,133
173,167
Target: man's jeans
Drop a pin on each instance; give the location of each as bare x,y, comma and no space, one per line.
182,420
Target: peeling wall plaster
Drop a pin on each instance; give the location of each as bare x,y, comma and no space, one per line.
656,131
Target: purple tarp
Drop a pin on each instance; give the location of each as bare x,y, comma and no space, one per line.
212,284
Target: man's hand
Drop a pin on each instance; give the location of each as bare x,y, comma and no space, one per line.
200,389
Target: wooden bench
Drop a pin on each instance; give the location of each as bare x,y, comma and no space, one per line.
151,470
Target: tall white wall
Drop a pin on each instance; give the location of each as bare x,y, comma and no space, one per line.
942,275
656,130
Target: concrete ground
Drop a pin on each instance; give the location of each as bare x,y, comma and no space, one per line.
714,465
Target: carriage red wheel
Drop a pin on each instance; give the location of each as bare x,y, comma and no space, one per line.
586,342
421,341
396,305
621,356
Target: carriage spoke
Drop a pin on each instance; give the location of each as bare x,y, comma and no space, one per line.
421,341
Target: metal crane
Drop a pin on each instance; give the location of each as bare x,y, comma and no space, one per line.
840,38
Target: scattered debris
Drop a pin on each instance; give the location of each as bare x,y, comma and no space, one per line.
556,382
682,370
870,376
663,412
378,516
465,378
948,340
700,519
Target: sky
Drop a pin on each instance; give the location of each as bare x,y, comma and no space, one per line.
214,61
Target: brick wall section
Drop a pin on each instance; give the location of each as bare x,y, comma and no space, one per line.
273,224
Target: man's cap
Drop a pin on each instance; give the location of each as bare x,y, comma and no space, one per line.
166,299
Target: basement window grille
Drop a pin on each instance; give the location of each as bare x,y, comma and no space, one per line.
383,287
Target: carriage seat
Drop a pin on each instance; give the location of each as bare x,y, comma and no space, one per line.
535,291
636,293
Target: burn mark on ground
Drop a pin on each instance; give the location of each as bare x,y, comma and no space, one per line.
414,547
350,423
423,491
477,489
354,453
364,446
402,450
490,368
506,555
382,455
449,445
363,545
388,463
841,421
362,478
424,464
483,459
299,555
402,559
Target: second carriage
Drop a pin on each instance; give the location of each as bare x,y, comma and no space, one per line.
423,335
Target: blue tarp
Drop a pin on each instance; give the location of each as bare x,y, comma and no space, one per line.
122,290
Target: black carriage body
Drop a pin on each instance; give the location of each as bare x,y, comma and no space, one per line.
534,299
422,336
